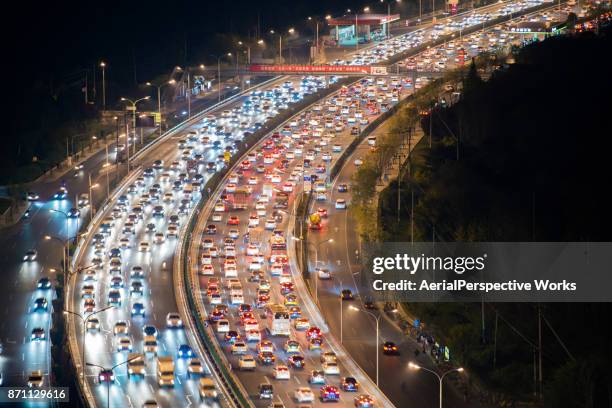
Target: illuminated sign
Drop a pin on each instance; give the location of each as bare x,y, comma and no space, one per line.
320,69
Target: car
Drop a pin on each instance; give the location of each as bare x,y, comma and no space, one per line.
317,377
74,213
60,194
239,348
150,404
195,367
390,348
292,346
266,391
144,247
30,255
121,328
35,379
173,320
106,376
281,372
331,368
364,401
323,273
313,333
342,188
328,356
304,394
265,346
32,196
40,304
44,283
137,272
114,297
149,344
301,323
347,294
149,330
296,361
266,358
358,162
340,204
138,309
232,336
93,323
38,334
185,351
350,384
329,393
124,344
247,362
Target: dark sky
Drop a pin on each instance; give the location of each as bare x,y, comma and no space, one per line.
53,38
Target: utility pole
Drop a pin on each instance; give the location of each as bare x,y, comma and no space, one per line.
540,346
103,66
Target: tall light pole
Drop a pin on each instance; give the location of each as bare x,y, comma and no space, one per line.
377,318
159,87
111,370
316,37
440,378
133,104
85,319
389,14
218,57
103,66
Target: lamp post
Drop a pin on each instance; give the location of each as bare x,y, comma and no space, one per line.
85,319
389,14
440,378
133,104
103,66
111,370
377,318
316,37
159,87
218,57
316,247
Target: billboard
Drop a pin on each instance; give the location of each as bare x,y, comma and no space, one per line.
320,69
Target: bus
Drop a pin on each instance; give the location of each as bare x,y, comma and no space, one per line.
278,320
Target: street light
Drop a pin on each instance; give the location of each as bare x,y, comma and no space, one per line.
316,37
389,13
133,106
111,370
85,319
414,366
159,87
218,57
316,247
103,66
377,318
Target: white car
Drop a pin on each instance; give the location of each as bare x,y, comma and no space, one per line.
281,372
252,250
323,273
304,394
330,368
237,299
253,221
173,320
253,335
358,162
239,348
216,217
340,204
223,326
255,266
144,246
270,225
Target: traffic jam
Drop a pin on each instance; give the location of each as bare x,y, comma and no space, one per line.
243,266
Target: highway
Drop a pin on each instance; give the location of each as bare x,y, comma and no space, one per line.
30,234
20,356
339,256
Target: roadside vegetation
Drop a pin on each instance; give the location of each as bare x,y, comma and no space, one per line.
531,164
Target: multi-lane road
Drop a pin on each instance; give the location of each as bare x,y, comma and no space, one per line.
19,357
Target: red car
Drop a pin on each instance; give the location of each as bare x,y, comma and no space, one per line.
313,333
330,393
233,220
322,212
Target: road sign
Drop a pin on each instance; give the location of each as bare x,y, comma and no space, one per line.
417,323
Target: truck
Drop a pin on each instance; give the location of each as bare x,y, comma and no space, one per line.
277,242
136,364
279,322
165,371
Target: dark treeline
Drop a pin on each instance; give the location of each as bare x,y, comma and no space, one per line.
534,147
